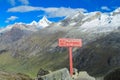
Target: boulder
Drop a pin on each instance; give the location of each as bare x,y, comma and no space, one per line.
83,75
62,74
42,72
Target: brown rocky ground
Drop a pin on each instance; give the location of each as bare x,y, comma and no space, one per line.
13,76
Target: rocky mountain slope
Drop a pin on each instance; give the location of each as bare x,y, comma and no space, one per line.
17,31
99,56
26,52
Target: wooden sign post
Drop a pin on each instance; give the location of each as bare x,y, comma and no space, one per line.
67,42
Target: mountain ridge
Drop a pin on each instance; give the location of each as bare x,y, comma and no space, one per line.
33,26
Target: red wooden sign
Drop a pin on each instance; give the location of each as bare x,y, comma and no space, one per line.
67,42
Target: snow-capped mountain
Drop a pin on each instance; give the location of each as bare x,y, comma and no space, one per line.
117,11
33,26
72,19
44,22
94,21
100,22
6,29
18,31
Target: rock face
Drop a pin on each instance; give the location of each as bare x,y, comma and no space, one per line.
100,56
13,35
62,74
83,75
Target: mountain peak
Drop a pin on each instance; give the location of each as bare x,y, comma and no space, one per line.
117,10
75,15
44,18
33,23
44,22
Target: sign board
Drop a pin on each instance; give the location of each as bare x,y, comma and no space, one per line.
67,42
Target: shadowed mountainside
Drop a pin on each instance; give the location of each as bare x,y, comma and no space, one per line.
99,56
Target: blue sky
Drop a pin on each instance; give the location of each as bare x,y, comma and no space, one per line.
26,11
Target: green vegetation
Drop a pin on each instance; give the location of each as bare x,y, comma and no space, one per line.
30,54
32,65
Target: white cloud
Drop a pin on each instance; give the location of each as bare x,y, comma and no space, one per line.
50,12
62,11
23,9
12,2
105,8
11,18
25,2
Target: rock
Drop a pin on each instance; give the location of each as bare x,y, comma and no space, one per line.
75,73
83,75
62,74
42,72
